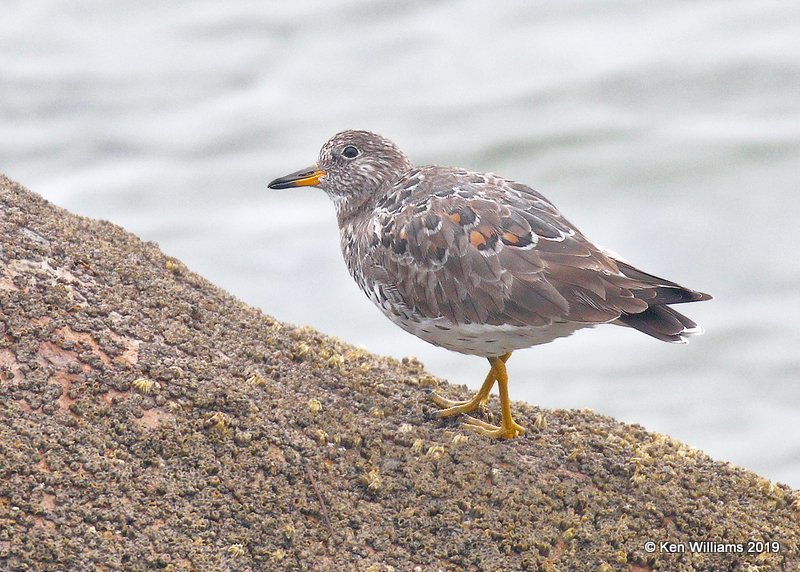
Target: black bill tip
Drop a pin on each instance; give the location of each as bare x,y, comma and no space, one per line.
302,178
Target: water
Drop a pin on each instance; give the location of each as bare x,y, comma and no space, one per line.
668,132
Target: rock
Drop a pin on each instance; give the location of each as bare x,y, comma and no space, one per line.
148,419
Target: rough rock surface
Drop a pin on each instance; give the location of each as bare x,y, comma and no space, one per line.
149,420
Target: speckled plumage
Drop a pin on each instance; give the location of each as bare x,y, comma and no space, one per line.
474,262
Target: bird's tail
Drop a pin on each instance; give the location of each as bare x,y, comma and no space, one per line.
659,319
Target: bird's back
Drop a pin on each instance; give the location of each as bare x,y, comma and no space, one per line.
449,253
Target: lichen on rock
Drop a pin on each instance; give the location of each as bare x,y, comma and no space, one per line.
149,420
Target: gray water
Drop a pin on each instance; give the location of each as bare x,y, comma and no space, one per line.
668,132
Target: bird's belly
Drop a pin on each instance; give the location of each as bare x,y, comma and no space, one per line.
482,339
473,339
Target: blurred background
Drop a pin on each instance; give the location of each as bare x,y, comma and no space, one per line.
668,132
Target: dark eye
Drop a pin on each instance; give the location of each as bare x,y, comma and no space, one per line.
350,152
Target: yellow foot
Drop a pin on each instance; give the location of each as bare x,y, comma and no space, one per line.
451,407
505,431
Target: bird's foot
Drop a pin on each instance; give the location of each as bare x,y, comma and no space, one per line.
507,430
450,407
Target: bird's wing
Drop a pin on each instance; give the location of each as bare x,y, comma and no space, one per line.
475,248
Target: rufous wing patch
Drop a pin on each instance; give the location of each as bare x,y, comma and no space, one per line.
477,239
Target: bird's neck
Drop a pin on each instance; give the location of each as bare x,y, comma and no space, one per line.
355,235
353,208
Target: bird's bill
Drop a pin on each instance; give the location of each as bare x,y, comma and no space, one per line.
303,178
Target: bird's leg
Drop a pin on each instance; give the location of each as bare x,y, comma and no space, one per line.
508,427
457,407
478,400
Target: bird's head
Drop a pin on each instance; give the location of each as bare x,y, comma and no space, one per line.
352,167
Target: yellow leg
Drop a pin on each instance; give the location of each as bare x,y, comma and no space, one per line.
457,407
478,400
508,428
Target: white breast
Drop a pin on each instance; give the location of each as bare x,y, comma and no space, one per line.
483,340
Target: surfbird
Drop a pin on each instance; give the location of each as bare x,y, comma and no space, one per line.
477,263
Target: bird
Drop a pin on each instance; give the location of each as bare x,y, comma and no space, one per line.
477,263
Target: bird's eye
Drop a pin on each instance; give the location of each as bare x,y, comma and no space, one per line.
350,152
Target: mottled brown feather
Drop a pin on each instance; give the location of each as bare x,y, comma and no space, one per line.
492,251
474,262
